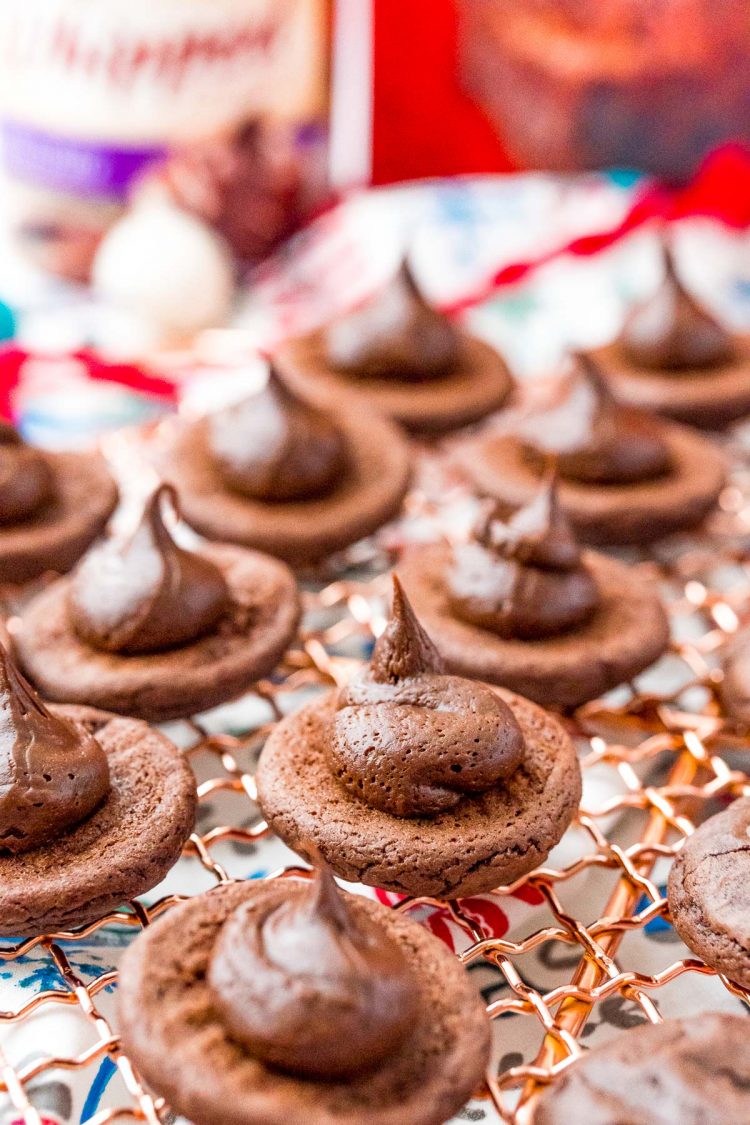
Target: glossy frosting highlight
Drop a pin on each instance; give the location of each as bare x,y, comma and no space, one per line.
310,987
52,774
396,335
275,446
523,578
672,331
595,439
146,594
411,740
26,479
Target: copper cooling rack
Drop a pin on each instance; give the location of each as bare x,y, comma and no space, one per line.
664,743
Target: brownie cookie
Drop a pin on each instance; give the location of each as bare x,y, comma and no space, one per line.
417,781
277,474
281,1002
709,893
735,684
403,358
519,605
625,477
694,1071
146,628
52,506
94,810
674,358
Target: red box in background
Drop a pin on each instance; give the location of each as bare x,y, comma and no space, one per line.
471,86
424,124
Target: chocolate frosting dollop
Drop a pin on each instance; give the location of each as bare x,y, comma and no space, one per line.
52,774
523,578
595,438
275,446
394,335
308,986
26,479
146,594
411,740
672,331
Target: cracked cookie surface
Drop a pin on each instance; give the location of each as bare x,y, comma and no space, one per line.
694,1071
709,892
487,840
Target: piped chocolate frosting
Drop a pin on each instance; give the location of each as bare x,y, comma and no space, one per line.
411,740
146,594
275,446
395,335
310,987
595,438
26,479
672,331
524,578
52,774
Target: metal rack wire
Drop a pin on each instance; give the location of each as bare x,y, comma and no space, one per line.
670,751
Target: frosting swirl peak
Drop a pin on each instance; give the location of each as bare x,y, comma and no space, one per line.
524,578
411,740
595,438
307,985
672,331
53,774
146,594
275,446
26,479
395,335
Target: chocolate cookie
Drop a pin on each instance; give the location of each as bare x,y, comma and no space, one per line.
95,810
694,1071
318,512
77,499
709,899
479,385
606,514
735,684
146,628
626,633
417,781
175,1026
709,399
404,359
673,357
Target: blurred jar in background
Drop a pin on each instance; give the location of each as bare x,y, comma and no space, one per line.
220,104
648,84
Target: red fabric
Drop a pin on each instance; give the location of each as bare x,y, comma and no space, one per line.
423,123
720,191
129,375
12,359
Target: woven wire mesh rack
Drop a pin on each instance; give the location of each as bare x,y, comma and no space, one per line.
662,755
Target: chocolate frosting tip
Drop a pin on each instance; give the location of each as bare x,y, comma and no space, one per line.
310,987
596,439
396,334
275,446
9,435
538,534
524,578
53,774
27,482
410,740
327,901
672,330
403,649
146,594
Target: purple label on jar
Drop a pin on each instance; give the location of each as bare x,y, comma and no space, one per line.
83,168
